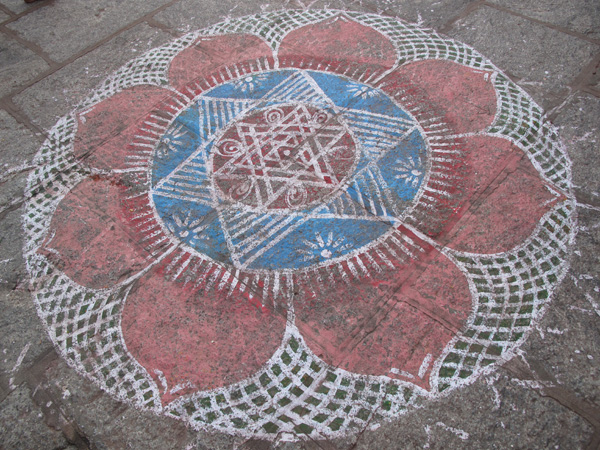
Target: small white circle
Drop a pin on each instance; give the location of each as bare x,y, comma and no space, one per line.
326,253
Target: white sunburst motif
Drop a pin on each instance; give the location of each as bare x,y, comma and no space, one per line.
409,170
363,92
323,248
247,84
184,227
170,141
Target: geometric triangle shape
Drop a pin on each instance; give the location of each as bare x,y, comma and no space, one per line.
377,133
298,88
249,234
215,114
370,191
189,181
173,147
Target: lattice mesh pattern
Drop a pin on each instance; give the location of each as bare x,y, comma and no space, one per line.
297,393
523,121
414,43
151,68
55,170
82,323
271,26
511,292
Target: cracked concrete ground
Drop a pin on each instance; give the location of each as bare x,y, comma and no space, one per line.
53,52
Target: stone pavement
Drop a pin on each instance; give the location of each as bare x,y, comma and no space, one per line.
541,393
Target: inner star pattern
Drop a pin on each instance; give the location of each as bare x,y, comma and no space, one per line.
251,176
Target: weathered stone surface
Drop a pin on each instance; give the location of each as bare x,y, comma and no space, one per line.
428,13
543,61
18,147
64,37
18,143
60,92
579,15
11,259
185,15
27,428
17,6
580,132
108,423
18,65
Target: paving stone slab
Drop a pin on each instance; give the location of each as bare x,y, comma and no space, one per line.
581,134
24,338
187,15
47,100
11,267
64,37
581,16
428,13
594,80
569,346
496,402
542,60
17,6
27,428
18,143
18,65
18,147
108,423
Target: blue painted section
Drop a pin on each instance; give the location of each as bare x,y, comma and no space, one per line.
403,167
250,87
249,238
303,248
195,224
182,135
391,162
349,94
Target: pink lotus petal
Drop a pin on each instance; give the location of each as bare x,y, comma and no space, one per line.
105,131
338,39
88,238
505,198
395,328
213,52
194,340
465,97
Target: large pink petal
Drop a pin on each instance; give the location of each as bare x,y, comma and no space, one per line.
395,326
505,198
337,39
189,338
105,131
89,239
209,53
465,97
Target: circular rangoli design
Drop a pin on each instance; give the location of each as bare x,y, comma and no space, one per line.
299,224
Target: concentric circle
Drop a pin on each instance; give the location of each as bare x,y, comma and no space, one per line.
287,169
297,224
